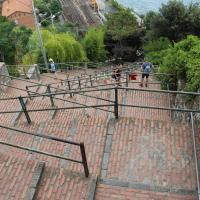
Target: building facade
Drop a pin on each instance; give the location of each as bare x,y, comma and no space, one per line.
19,11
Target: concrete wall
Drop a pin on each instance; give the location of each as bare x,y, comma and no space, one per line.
3,80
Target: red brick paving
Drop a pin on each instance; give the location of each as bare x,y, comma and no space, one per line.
92,132
152,152
149,152
15,176
107,192
8,105
59,184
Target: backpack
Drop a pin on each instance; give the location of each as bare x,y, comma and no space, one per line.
147,69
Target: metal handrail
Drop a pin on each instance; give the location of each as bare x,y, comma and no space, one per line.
21,79
160,91
49,94
28,81
81,145
169,101
54,108
105,89
65,100
161,108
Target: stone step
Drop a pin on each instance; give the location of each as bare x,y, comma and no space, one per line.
109,192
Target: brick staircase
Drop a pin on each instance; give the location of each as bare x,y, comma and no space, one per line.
152,155
142,155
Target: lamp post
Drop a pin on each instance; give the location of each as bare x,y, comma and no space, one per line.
39,36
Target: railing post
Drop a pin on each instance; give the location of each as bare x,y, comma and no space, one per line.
91,79
37,72
84,160
96,75
28,92
127,77
50,96
24,71
23,105
116,103
79,83
169,102
69,86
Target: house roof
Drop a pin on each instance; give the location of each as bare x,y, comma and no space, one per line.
11,6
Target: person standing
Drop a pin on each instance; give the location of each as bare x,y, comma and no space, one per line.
118,72
146,69
52,66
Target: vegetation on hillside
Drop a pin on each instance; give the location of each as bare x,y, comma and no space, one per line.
174,21
123,36
13,41
48,11
120,24
93,43
172,41
183,60
62,47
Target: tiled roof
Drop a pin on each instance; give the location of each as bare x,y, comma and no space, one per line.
12,6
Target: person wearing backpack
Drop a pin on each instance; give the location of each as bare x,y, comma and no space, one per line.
146,69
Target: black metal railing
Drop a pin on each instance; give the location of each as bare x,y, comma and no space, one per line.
81,145
113,103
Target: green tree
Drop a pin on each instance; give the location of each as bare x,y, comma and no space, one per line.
183,59
61,47
93,43
174,21
121,24
7,46
20,37
13,41
155,50
47,8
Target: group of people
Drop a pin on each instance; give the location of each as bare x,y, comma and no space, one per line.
146,68
117,71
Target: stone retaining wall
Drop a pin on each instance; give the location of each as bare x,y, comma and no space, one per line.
3,79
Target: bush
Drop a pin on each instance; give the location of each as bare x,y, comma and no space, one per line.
183,60
93,43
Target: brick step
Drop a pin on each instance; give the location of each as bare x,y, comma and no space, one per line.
109,192
151,152
58,183
16,177
143,98
29,179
